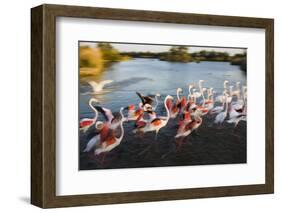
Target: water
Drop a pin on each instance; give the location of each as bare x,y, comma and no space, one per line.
150,76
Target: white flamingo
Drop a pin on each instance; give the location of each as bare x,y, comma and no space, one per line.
221,98
222,115
97,87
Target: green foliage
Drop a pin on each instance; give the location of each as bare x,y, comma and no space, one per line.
241,60
177,54
109,54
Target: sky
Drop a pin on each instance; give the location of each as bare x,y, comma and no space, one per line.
126,47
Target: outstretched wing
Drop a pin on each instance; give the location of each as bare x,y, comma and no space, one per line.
107,114
145,99
141,97
103,83
94,85
97,87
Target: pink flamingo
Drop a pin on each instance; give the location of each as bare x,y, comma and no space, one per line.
86,123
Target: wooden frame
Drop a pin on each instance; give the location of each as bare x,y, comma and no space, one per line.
43,106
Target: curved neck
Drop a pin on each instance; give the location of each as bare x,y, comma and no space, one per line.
178,94
194,98
225,85
121,125
200,86
166,107
226,104
94,109
156,99
204,100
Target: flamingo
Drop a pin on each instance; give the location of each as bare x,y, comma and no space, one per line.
217,109
141,122
200,85
157,95
190,95
176,108
237,119
201,107
86,123
209,103
222,115
159,122
112,119
188,125
98,87
104,128
110,141
146,102
236,92
133,113
220,98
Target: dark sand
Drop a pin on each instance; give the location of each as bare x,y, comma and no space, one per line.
211,144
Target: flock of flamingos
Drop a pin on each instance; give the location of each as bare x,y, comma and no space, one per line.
230,106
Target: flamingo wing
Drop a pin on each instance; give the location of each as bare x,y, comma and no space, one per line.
92,143
97,87
107,114
103,83
85,122
145,99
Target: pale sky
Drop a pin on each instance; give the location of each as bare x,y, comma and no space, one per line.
123,47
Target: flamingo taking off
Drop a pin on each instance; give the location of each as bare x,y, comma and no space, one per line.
97,87
110,141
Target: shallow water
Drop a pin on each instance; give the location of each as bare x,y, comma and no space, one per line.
212,144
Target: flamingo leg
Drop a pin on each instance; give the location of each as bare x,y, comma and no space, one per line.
156,134
179,143
100,159
103,158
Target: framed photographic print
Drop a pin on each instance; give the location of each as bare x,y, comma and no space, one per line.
137,106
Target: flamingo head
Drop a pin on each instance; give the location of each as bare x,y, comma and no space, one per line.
169,97
94,100
225,83
190,86
179,90
131,107
147,108
158,95
201,82
99,125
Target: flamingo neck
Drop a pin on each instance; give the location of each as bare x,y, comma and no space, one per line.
94,109
200,86
156,99
194,98
226,104
204,100
121,125
167,110
178,95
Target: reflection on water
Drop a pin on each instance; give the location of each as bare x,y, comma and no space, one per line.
151,76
